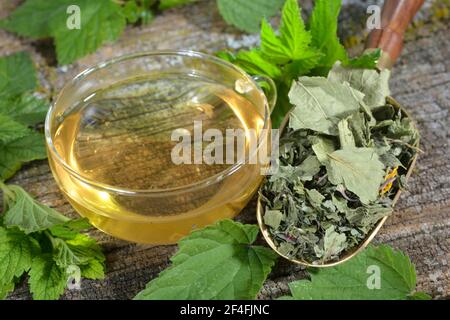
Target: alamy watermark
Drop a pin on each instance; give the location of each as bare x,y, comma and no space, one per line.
374,280
374,20
74,19
213,146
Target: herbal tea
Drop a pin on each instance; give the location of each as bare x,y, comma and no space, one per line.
121,137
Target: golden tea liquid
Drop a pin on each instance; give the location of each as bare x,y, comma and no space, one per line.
120,137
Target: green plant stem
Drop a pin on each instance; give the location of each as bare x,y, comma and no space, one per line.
7,191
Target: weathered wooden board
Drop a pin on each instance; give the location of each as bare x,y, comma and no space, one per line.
421,81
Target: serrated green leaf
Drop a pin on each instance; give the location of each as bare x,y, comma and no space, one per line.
247,15
11,130
17,75
85,248
320,104
94,270
16,254
31,19
101,22
70,229
47,280
6,289
367,60
293,43
14,153
373,84
25,108
62,254
356,279
217,262
254,63
323,25
29,215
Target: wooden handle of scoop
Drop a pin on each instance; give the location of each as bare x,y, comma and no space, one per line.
395,18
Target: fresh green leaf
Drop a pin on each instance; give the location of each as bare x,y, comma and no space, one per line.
323,27
167,4
132,11
31,19
16,253
320,104
17,75
5,290
86,249
62,255
11,130
101,21
47,280
246,15
254,63
378,273
94,270
217,262
293,42
14,153
26,109
367,60
373,84
29,215
70,229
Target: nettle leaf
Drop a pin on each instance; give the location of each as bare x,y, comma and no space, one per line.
378,273
320,104
25,109
367,60
17,75
254,63
14,153
11,130
47,280
358,169
16,253
29,215
373,84
247,15
323,25
217,262
101,21
6,289
70,229
294,40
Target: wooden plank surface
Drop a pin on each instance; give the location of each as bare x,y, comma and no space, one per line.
420,225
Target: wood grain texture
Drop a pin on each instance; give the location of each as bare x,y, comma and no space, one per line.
421,81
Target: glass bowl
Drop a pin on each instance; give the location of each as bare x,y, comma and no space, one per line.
134,143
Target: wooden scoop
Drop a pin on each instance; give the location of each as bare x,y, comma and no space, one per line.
395,18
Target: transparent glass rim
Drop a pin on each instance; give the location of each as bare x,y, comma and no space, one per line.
218,177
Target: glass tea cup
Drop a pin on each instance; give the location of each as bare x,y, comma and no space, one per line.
130,143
